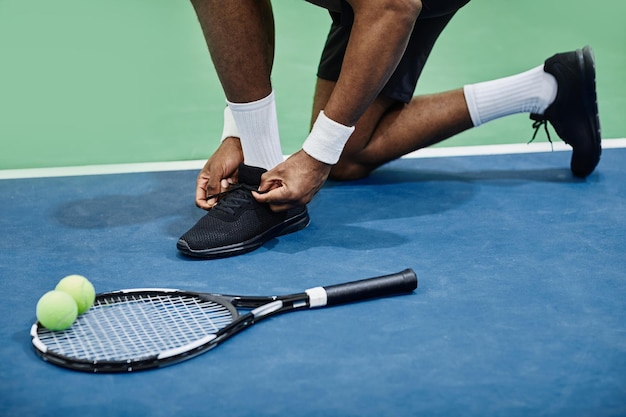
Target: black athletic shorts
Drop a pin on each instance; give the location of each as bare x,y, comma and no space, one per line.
433,19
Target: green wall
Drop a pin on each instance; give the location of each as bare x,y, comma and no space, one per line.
96,82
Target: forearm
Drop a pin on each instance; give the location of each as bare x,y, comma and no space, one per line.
379,36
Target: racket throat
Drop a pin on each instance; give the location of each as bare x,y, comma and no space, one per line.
246,320
267,309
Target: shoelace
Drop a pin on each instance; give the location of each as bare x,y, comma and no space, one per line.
539,121
233,198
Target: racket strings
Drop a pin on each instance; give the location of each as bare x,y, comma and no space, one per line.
134,326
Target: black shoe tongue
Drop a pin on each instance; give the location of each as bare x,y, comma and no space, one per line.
250,175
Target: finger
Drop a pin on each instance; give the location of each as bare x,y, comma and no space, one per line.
205,200
274,196
226,183
201,193
278,206
206,187
202,202
216,185
213,186
277,199
268,183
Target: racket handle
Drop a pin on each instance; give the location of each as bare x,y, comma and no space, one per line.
400,282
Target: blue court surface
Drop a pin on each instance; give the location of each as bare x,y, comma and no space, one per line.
520,309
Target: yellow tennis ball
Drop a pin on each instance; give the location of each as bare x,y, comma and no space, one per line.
81,290
56,310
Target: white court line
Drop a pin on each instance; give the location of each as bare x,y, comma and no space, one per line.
517,148
198,164
101,169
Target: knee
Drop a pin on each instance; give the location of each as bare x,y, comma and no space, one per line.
400,10
403,13
414,7
409,9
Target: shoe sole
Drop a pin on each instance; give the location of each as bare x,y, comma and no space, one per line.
291,225
586,63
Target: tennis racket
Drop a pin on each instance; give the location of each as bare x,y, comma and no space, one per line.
136,329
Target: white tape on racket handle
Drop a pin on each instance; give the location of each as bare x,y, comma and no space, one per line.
317,297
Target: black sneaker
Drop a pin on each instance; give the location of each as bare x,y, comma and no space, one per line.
238,223
574,112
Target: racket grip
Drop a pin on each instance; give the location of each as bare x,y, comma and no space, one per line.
400,282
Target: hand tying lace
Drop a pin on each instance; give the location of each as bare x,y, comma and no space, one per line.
233,198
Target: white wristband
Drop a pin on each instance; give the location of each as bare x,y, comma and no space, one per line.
327,139
230,128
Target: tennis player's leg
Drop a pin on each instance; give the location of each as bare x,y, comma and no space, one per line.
562,91
390,129
240,37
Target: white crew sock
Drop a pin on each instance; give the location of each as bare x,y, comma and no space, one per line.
257,123
529,92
